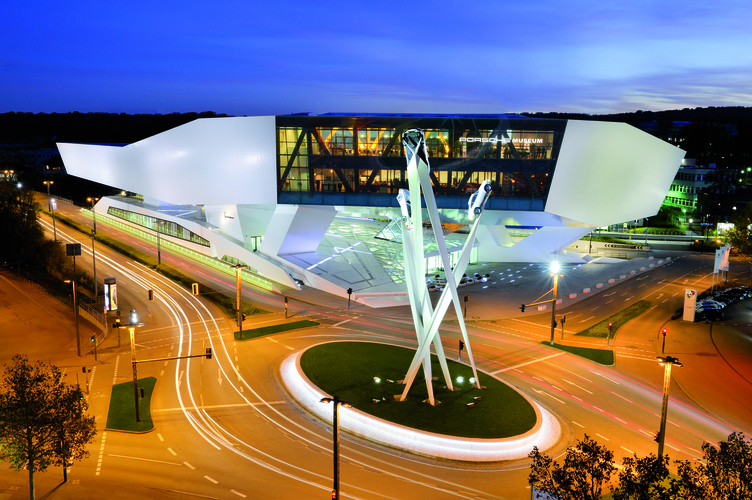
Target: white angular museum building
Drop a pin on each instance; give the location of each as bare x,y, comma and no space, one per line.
311,199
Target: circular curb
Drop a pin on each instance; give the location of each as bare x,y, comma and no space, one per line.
544,434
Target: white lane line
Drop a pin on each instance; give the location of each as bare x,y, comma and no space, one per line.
160,437
171,451
627,450
646,433
673,447
629,298
550,396
593,309
189,466
101,452
215,407
596,373
601,435
194,494
575,423
335,326
114,375
527,363
210,479
238,493
664,300
291,348
144,459
572,383
588,319
272,340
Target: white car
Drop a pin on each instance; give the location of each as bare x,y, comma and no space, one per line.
478,199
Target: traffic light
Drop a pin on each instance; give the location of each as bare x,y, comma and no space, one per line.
522,307
116,324
93,338
563,320
208,353
556,324
349,291
610,327
657,437
151,294
664,331
462,345
194,288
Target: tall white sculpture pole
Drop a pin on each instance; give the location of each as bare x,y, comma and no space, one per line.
426,319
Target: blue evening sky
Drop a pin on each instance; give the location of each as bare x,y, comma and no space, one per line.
286,56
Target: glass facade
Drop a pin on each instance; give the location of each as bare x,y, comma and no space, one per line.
163,226
332,159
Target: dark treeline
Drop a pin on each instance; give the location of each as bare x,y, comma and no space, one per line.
44,129
728,115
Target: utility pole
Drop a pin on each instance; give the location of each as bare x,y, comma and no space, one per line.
239,296
94,262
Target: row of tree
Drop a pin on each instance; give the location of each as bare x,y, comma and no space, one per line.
725,473
43,420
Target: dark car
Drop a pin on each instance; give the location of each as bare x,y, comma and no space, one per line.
708,312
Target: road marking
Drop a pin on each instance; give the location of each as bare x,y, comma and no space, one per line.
291,348
572,383
144,459
591,317
610,301
550,396
210,479
238,493
272,340
173,453
627,450
114,375
160,437
664,300
646,433
614,381
575,423
180,378
527,363
673,447
189,466
620,420
194,494
599,409
101,452
629,298
601,435
219,376
214,407
335,326
593,309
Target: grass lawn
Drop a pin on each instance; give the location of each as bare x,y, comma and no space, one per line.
268,330
347,370
600,356
601,329
122,413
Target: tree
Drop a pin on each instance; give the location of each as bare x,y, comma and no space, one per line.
729,467
42,419
587,466
645,479
740,237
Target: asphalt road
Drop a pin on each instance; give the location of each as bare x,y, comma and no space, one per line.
225,428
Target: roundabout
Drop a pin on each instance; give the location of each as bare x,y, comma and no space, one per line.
468,424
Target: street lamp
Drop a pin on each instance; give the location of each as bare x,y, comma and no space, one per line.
93,201
335,434
49,203
75,310
667,362
131,326
159,243
554,272
239,297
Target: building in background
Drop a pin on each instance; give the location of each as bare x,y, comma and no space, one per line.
311,198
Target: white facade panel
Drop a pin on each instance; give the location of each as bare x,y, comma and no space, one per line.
206,161
611,172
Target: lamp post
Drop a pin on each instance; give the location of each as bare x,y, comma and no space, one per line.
555,268
132,331
667,362
239,296
49,203
335,435
93,201
159,243
94,263
75,310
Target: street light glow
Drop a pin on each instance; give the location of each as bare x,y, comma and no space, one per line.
555,267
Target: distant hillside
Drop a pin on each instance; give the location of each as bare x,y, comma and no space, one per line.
46,129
